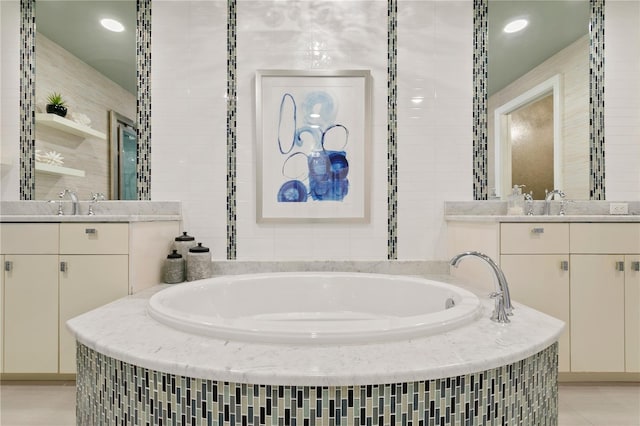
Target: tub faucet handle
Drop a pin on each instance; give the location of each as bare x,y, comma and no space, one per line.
499,312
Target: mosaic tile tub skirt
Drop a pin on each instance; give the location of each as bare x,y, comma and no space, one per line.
112,392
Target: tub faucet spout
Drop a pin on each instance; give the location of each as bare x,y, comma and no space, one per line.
503,306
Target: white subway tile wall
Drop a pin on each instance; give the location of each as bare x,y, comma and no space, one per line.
622,100
189,77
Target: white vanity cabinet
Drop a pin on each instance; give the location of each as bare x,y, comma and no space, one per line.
56,271
1,314
604,297
632,313
584,273
535,260
30,271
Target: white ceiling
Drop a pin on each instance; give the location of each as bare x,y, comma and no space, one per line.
553,25
75,25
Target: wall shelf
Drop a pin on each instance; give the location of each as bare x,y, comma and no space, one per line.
68,126
58,170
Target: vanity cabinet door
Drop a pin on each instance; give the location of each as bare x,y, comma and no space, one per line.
542,282
31,314
632,313
2,314
597,313
87,282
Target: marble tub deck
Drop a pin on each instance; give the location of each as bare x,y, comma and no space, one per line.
123,330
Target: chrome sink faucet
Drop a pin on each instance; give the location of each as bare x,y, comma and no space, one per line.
74,200
548,197
95,197
503,307
528,199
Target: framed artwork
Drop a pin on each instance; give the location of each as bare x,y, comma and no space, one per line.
312,134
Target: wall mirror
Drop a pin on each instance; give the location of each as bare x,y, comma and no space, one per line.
532,115
96,67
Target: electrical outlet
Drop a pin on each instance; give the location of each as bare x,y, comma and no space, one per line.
619,208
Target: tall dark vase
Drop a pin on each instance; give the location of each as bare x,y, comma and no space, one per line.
57,109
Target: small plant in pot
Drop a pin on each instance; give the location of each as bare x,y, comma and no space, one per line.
56,105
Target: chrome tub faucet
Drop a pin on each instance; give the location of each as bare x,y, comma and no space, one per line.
503,307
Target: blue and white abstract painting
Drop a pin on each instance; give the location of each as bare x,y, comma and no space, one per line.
313,146
310,122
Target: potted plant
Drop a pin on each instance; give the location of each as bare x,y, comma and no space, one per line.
56,105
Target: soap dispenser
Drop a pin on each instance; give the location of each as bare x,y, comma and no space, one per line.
516,201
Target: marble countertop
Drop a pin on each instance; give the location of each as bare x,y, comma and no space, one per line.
105,211
576,211
596,218
123,330
86,218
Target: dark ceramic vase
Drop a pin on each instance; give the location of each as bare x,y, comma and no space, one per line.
57,109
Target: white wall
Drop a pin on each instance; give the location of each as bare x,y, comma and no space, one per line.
435,135
188,118
434,148
9,99
434,61
622,100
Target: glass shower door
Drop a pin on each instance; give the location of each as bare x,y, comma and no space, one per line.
124,153
128,156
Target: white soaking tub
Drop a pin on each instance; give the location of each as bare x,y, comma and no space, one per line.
236,349
314,307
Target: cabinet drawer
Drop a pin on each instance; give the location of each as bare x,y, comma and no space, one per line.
94,238
32,238
534,238
605,238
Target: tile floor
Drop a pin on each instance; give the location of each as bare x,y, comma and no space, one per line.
53,404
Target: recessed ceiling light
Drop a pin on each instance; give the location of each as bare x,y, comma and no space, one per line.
112,25
515,26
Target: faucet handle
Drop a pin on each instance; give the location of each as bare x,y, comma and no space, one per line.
499,312
95,197
60,212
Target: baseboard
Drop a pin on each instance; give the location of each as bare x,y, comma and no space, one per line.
598,377
35,377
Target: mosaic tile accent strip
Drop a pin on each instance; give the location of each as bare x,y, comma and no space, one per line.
596,101
231,129
143,107
392,130
113,392
480,36
27,99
